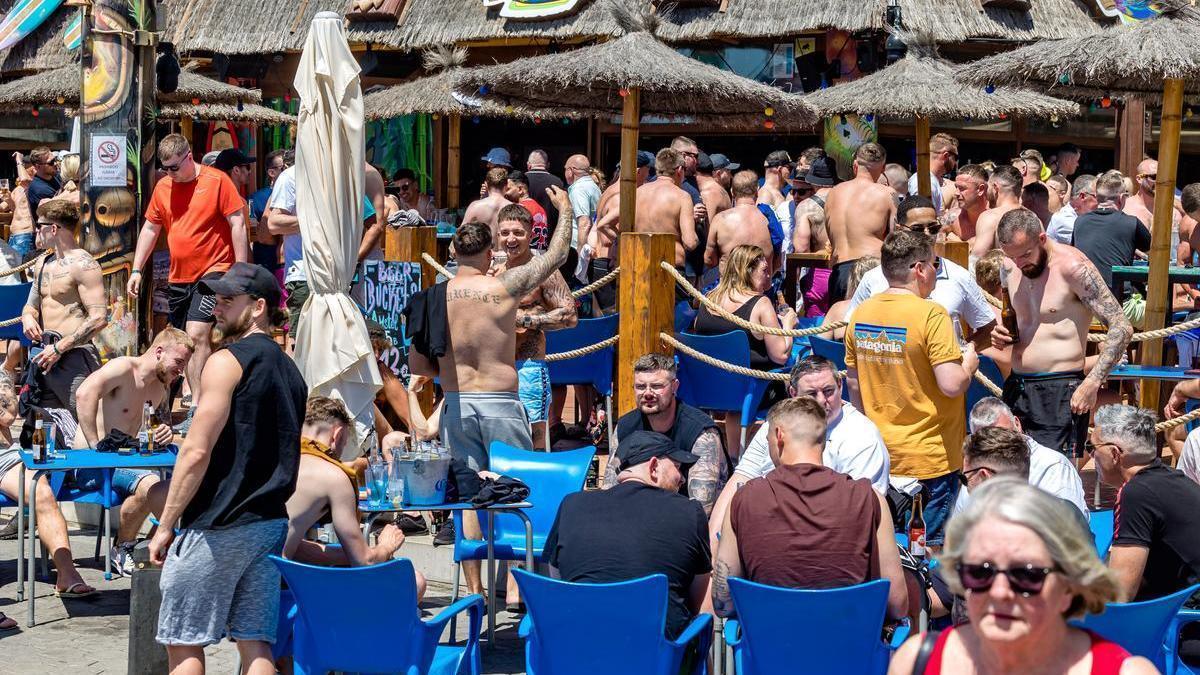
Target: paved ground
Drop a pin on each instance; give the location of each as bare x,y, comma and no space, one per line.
91,636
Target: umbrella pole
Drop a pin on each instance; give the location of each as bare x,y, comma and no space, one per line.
1160,235
923,187
453,161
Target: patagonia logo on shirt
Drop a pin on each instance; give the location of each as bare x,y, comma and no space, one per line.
869,338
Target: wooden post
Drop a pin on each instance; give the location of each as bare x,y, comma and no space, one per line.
923,186
439,160
1158,295
406,244
1131,135
185,129
958,252
647,298
631,113
453,163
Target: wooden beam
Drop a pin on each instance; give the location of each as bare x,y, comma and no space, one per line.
406,244
923,183
454,163
1131,135
1158,296
647,300
439,160
958,252
630,114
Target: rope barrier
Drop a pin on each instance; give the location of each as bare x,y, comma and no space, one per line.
582,351
10,322
597,284
988,384
24,266
1167,425
432,262
992,300
717,363
739,321
1153,334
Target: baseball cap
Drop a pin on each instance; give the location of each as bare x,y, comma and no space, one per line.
778,158
499,157
644,158
642,446
704,163
246,279
229,158
720,161
210,157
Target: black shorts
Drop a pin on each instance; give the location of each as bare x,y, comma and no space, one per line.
839,280
606,296
186,302
1042,401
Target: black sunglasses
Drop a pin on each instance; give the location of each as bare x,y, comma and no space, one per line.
965,476
931,229
937,263
1027,579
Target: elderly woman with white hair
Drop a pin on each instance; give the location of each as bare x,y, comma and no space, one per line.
1026,566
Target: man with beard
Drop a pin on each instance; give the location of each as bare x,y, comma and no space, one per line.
1004,194
723,170
111,399
1055,292
234,475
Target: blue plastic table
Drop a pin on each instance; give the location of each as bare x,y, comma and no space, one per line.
74,460
1176,275
1161,373
372,513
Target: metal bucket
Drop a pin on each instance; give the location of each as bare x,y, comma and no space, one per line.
425,478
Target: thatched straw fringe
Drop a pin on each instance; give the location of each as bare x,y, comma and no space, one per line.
46,88
242,26
43,49
590,78
958,20
225,112
1118,60
434,95
921,84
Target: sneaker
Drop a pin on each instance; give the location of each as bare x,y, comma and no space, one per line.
9,530
122,559
411,525
445,536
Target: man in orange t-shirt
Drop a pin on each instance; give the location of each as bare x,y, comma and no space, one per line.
203,215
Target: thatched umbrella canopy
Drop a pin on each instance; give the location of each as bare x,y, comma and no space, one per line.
1159,55
224,112
61,87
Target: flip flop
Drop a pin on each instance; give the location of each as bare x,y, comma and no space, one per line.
70,592
4,618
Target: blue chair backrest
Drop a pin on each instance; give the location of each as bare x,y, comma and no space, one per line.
989,369
551,476
1101,525
563,618
596,368
836,630
801,347
12,301
835,351
685,315
709,387
357,618
1140,627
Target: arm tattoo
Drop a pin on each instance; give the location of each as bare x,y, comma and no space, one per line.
722,600
557,295
610,471
704,478
35,291
522,280
1095,294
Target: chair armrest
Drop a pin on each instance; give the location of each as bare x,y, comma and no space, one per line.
733,632
472,604
525,627
900,634
700,630
1170,645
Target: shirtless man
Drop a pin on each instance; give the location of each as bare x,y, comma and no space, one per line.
485,210
971,183
1141,205
810,232
67,306
714,197
478,371
604,238
372,239
662,206
111,399
1055,292
742,224
1036,198
549,307
20,230
858,213
1004,194
777,171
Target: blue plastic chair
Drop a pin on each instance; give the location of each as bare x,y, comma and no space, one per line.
989,369
1101,525
69,494
595,369
1174,663
685,316
56,481
1142,628
801,346
834,351
12,301
560,627
837,630
365,619
711,388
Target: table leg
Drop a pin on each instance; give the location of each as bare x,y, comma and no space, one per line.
528,539
21,534
32,544
106,523
367,527
491,582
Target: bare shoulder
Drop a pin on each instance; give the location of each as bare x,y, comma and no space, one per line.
1138,665
82,261
905,657
880,191
1070,262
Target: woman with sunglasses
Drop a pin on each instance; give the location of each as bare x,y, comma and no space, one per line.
1025,565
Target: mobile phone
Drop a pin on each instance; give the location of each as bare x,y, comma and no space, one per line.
34,350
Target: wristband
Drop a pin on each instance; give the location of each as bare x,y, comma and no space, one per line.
135,272
55,348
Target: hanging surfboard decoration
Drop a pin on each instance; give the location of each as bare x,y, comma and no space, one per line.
532,10
1131,12
24,18
73,35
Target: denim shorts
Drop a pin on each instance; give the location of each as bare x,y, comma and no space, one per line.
124,481
22,243
941,492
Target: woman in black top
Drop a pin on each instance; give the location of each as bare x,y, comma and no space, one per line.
744,279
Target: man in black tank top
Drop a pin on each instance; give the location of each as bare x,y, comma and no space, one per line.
235,472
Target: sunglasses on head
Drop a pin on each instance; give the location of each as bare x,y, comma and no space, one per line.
1027,579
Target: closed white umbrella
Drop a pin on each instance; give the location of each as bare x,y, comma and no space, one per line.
333,350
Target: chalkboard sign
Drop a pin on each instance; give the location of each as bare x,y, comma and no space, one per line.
387,287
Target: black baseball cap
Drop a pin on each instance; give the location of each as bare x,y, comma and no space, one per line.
778,158
246,279
704,163
231,157
642,446
720,161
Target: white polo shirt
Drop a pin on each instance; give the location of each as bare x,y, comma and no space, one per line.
853,446
955,290
1049,471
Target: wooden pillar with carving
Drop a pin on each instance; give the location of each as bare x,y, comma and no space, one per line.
406,244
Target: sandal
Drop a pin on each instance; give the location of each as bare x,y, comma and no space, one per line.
71,593
7,623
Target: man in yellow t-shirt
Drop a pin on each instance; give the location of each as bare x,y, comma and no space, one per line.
908,374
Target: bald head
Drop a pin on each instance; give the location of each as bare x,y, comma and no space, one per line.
576,166
1147,167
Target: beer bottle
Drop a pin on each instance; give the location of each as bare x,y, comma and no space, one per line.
38,445
1008,315
916,528
146,433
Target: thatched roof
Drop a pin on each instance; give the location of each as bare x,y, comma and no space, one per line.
225,112
241,26
47,88
951,21
591,79
1119,60
922,85
41,50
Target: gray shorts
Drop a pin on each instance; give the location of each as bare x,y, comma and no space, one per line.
218,583
9,458
472,420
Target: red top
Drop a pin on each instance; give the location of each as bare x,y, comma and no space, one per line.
195,216
1107,656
